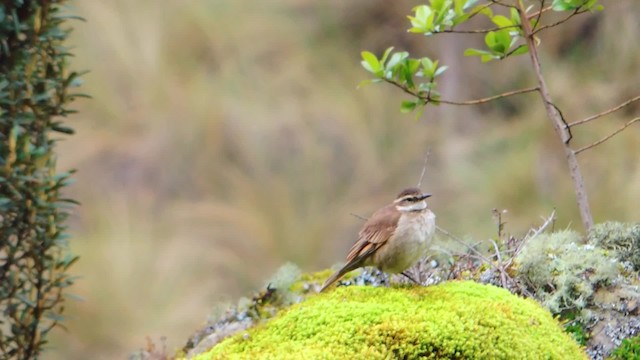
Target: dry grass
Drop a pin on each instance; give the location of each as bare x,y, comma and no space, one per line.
227,137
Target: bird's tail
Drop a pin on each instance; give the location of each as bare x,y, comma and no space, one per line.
339,274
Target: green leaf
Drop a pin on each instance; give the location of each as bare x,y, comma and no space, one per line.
413,65
522,49
396,58
440,70
428,67
515,16
386,54
476,52
407,106
502,21
370,63
565,5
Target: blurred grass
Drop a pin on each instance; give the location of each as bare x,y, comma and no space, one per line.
227,137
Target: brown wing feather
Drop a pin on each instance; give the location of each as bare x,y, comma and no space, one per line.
375,232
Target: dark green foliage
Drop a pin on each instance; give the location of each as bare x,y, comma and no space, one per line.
34,93
575,327
629,349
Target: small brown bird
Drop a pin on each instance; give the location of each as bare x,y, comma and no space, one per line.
394,238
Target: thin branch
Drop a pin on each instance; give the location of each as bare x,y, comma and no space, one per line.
359,217
502,4
424,166
478,31
607,112
575,12
501,268
478,254
490,98
428,98
539,14
607,137
478,11
543,227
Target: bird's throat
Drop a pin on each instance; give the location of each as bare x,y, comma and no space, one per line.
419,206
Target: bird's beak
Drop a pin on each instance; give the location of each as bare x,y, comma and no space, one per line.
424,196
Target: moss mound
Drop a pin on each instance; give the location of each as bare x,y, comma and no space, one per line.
456,320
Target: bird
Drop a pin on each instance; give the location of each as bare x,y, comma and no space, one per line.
394,238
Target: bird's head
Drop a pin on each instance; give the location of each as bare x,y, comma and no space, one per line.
411,199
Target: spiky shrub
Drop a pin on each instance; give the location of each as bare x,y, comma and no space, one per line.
34,84
456,320
622,238
562,272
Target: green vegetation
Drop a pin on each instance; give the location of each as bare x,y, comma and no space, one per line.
35,92
462,320
228,137
629,349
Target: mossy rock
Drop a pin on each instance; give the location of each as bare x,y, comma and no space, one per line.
455,320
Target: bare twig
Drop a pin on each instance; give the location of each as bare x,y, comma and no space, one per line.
533,233
501,268
359,217
608,136
478,31
575,12
424,166
538,14
559,124
427,98
497,2
490,98
478,254
606,112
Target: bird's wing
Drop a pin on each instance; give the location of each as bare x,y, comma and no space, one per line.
375,233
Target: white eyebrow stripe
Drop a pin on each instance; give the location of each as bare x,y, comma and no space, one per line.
406,197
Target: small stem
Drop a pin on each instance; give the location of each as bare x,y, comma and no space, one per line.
539,14
575,12
608,136
479,31
428,98
606,112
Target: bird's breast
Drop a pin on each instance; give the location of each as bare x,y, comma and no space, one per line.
409,243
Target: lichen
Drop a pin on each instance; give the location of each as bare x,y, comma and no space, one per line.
455,320
563,272
622,238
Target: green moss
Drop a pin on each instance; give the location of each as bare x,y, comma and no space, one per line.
456,320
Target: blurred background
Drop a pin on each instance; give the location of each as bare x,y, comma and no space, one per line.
227,137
